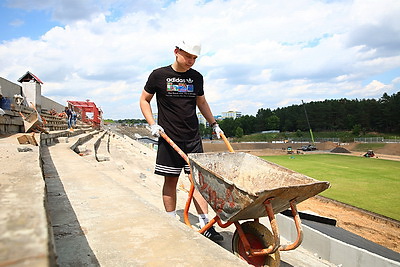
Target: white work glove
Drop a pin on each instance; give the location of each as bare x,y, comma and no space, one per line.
217,130
155,130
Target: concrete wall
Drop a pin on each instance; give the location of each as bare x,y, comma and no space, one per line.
11,122
330,249
9,89
48,104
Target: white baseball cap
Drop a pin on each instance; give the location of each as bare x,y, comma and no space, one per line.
193,48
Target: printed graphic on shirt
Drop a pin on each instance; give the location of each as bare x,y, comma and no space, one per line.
180,87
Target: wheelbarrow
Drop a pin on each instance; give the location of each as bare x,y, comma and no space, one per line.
240,186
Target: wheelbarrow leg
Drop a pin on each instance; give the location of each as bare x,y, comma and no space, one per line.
275,234
299,230
254,252
214,220
274,224
243,238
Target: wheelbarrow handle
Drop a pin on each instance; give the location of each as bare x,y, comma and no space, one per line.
174,146
227,142
191,191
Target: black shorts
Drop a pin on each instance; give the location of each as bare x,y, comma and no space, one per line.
169,162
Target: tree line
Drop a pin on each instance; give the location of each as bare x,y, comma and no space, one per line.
359,116
365,115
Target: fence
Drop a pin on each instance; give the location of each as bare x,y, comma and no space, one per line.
356,140
317,140
376,140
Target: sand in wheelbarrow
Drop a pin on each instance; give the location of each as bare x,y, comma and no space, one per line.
250,173
246,181
340,150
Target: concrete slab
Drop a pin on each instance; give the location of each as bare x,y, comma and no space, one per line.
24,239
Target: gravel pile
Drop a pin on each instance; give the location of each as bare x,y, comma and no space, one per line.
340,150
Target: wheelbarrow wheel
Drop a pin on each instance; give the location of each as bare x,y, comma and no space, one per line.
259,237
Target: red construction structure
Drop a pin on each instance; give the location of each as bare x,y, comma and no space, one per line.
87,112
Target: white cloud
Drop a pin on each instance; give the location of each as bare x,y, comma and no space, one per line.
373,89
17,22
255,53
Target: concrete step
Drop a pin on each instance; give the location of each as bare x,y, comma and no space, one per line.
24,237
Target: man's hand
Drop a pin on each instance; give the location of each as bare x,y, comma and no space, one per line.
217,130
155,129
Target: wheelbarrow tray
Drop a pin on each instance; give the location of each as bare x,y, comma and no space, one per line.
237,184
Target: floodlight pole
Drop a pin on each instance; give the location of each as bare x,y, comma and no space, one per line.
309,127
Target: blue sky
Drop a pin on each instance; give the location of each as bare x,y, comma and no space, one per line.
255,54
17,23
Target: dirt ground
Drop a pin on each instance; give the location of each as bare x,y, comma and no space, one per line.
378,230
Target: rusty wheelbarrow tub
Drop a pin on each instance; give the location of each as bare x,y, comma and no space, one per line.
237,184
240,186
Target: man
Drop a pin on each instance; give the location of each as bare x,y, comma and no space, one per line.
68,113
178,89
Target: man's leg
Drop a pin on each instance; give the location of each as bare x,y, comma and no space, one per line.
169,196
202,209
200,203
169,193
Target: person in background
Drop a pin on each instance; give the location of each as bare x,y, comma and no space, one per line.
68,113
179,90
73,118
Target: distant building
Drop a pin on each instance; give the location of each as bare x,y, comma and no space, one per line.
201,118
271,131
231,114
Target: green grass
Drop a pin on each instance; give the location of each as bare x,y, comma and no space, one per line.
368,146
344,136
368,183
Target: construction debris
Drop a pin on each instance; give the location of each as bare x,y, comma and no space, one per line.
24,149
34,122
27,139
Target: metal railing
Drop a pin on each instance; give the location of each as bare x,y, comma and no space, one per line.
317,140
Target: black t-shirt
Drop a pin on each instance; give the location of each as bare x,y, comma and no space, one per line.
176,94
68,112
